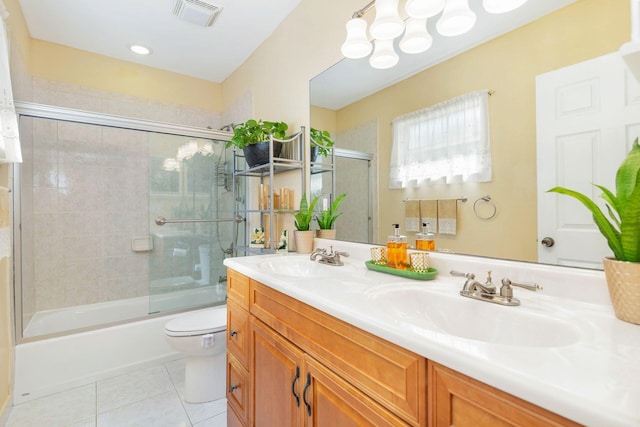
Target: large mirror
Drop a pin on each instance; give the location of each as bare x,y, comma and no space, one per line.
504,54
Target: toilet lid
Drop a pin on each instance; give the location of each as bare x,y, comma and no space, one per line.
199,323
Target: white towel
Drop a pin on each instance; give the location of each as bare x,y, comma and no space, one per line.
447,216
412,215
429,213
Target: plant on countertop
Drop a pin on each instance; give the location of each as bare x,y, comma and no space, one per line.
622,231
256,131
328,217
321,139
305,214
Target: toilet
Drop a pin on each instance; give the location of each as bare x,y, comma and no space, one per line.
200,336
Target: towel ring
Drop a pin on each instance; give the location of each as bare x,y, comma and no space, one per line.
486,199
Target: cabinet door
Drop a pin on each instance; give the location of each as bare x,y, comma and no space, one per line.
238,389
238,288
277,379
457,400
238,332
328,400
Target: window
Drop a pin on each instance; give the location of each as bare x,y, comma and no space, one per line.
445,143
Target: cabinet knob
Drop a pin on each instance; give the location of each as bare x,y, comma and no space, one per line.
233,333
233,388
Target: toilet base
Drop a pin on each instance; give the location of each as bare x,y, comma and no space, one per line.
204,378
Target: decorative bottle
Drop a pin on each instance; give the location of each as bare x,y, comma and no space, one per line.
397,249
426,240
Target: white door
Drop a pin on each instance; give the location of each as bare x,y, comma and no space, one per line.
588,115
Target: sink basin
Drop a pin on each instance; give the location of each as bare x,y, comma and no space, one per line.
301,267
450,313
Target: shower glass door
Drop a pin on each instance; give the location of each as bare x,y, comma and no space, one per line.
190,189
88,250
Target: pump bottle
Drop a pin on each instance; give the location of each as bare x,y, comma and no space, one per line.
425,240
397,249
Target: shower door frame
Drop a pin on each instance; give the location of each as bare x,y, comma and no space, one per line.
42,111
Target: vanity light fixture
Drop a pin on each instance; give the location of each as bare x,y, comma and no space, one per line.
502,6
456,18
384,56
139,49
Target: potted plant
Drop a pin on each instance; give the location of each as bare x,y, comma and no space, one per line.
303,236
622,231
321,143
327,218
252,137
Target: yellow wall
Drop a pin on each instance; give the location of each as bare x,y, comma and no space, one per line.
508,65
64,64
20,42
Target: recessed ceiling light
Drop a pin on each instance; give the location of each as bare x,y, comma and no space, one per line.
140,50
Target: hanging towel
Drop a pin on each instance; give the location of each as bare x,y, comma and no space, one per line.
429,212
412,215
447,216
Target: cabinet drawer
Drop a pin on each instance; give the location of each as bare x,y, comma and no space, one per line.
455,399
391,375
238,392
238,332
232,419
238,288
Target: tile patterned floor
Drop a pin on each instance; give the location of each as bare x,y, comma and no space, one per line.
150,397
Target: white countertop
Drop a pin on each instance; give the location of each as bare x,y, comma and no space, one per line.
591,374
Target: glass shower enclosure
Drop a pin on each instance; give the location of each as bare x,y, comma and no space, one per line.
116,219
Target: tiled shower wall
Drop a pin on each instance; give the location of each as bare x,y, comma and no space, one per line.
81,237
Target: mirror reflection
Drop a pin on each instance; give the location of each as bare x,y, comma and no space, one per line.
508,66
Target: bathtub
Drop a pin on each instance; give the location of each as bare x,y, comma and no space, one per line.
56,364
84,316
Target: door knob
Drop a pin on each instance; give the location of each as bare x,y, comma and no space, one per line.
548,242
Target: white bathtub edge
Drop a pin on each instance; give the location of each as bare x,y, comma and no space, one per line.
57,364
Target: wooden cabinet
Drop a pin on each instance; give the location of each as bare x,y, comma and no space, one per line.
293,389
291,365
458,400
387,373
238,350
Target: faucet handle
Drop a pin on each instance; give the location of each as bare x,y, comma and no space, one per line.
340,253
461,274
506,289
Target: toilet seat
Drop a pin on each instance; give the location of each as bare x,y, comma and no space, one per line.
199,323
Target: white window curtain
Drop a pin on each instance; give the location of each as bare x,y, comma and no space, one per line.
445,143
9,138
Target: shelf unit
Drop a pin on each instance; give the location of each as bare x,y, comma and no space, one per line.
250,178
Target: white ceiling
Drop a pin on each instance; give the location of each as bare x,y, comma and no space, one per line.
108,27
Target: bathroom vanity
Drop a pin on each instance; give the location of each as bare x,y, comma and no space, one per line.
309,344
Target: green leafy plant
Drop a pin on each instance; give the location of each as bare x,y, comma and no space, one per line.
328,217
622,229
305,214
256,131
321,139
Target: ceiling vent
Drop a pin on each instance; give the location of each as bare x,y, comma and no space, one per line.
197,12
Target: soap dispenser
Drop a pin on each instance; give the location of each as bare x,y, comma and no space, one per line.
426,240
397,249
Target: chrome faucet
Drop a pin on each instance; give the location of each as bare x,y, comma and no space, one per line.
331,258
487,291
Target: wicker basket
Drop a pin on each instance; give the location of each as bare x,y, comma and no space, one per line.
623,280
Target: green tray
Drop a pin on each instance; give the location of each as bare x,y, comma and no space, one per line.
429,275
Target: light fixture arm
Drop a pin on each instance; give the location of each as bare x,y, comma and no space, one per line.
360,13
